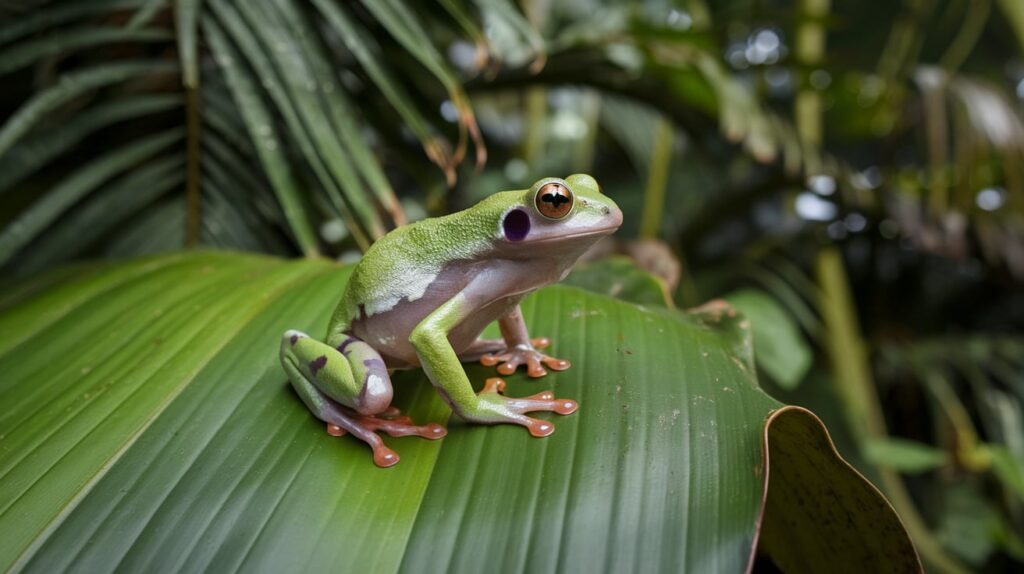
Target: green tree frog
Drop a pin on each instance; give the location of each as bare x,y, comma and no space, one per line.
422,295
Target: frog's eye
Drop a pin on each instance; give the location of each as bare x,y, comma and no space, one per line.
554,200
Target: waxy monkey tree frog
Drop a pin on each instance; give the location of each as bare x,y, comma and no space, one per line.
422,295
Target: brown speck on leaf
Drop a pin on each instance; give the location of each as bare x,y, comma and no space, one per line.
86,370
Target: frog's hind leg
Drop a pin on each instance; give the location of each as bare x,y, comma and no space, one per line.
481,347
348,387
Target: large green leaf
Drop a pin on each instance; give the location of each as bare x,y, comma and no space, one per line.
620,277
147,426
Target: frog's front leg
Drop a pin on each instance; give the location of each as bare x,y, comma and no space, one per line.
348,387
439,360
516,348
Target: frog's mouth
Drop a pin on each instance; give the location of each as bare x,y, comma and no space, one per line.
592,232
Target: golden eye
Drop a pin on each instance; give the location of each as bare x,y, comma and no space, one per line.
554,200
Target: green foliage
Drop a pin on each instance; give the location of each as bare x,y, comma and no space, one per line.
779,347
906,456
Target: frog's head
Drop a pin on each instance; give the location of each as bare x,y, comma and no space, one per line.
559,216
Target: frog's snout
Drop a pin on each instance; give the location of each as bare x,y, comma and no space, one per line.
614,216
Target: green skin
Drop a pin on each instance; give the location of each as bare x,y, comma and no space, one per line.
422,295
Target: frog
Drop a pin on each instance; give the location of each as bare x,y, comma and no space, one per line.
421,297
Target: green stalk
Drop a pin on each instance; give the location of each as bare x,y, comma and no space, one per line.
851,374
809,50
905,40
536,127
967,37
186,14
192,156
657,180
536,100
590,109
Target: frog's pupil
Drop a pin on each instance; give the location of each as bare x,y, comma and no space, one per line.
516,225
555,199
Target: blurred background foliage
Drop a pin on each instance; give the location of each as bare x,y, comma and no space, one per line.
848,174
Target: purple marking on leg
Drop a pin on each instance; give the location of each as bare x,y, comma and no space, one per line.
316,364
344,345
374,363
294,339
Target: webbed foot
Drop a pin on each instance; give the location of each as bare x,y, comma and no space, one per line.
391,422
529,355
495,408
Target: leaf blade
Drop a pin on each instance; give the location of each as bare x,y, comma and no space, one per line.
265,140
186,21
661,467
34,221
69,86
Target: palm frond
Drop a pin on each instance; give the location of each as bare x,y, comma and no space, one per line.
45,145
288,106
77,185
68,87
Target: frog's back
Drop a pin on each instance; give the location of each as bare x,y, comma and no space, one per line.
402,264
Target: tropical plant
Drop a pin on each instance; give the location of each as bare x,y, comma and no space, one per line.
847,175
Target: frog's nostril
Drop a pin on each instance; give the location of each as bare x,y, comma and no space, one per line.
607,210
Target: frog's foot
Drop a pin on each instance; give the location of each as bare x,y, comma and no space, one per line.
495,408
391,422
528,355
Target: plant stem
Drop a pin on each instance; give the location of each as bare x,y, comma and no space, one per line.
905,40
186,14
192,156
809,50
967,36
657,180
851,373
590,109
